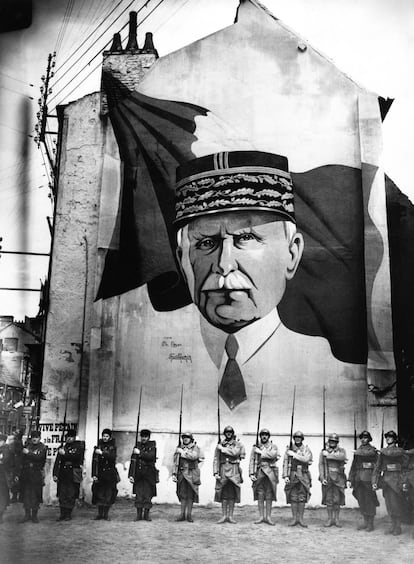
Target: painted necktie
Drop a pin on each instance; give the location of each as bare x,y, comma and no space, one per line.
232,388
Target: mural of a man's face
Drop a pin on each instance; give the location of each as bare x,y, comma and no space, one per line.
236,265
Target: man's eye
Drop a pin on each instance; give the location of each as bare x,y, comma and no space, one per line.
244,237
206,244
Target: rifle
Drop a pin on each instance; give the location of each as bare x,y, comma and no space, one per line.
95,457
134,456
218,417
291,430
325,470
177,456
382,431
355,433
62,438
256,457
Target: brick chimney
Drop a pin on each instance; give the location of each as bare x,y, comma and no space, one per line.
128,65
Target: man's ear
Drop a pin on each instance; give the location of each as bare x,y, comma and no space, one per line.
296,246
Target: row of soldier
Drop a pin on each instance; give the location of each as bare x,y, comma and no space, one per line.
390,469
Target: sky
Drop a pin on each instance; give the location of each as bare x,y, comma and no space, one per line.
372,41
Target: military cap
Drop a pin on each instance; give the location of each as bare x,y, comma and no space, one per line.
3,437
333,437
391,434
187,434
34,434
298,434
233,181
107,432
265,432
228,428
145,433
366,434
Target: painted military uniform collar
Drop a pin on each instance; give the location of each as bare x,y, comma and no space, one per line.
250,339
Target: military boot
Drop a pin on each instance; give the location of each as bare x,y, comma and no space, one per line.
330,521
147,516
100,513
301,512
105,512
370,524
260,505
397,527
223,519
139,514
34,516
336,517
390,531
62,515
230,510
189,511
27,516
182,514
268,518
364,524
294,509
68,514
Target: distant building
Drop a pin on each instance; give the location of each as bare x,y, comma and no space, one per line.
19,372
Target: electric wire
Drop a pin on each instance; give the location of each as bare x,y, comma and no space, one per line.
94,43
93,58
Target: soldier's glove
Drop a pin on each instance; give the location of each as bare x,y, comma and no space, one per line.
174,478
137,451
253,477
324,482
55,479
131,479
287,480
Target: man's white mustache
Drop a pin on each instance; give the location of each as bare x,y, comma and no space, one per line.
232,281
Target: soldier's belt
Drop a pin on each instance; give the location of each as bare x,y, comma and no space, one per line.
300,467
232,460
393,467
366,465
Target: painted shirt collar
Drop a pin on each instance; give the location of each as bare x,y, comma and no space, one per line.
250,339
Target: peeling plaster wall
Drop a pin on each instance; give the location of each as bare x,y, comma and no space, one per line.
73,265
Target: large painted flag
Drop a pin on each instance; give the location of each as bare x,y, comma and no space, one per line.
256,85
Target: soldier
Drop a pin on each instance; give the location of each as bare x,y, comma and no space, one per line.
332,476
187,474
408,485
360,478
16,448
264,475
67,472
104,475
388,475
143,474
297,478
5,460
32,477
226,469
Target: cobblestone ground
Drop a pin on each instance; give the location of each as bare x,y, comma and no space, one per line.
164,540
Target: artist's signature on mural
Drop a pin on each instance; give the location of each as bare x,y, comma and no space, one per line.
169,342
180,357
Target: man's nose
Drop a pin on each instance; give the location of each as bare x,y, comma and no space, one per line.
226,261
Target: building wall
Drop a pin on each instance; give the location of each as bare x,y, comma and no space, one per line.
107,351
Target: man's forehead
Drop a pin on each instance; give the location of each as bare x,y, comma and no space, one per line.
232,221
